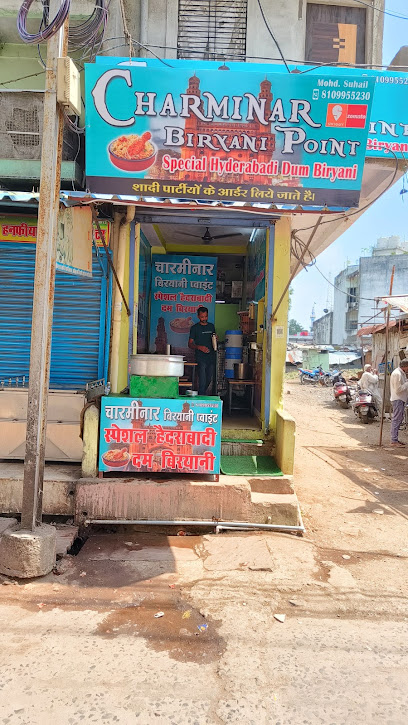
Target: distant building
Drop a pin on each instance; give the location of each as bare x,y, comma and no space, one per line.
357,287
345,306
323,330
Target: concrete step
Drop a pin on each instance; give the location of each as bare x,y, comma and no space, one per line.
233,498
247,448
59,488
257,499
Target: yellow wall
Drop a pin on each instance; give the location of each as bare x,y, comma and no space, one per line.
136,288
281,425
124,329
281,274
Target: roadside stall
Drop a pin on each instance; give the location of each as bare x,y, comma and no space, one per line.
173,144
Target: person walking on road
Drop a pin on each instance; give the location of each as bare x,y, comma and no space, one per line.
369,381
399,397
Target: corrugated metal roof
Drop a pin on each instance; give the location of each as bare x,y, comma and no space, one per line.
399,301
374,328
70,198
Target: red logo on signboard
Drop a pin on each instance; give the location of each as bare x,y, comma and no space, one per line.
344,115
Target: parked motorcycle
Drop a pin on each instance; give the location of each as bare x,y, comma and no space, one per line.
364,406
329,377
341,392
311,376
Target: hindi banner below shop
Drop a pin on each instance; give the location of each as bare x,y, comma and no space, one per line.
180,285
153,435
273,138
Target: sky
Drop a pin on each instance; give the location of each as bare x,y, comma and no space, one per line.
386,217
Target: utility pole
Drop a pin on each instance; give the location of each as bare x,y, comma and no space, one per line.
30,551
387,325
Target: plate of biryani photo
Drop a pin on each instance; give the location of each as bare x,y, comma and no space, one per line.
181,324
133,153
116,458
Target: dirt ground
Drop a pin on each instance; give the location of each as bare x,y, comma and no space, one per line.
344,479
83,645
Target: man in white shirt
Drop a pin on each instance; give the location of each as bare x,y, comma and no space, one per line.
369,381
399,397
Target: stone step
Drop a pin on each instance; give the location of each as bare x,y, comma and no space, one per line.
247,448
232,498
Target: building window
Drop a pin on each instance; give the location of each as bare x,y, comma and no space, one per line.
352,296
335,34
212,29
24,128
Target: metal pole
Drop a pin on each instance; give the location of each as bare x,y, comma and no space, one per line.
44,283
387,324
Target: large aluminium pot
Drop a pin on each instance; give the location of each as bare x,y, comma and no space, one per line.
242,371
160,366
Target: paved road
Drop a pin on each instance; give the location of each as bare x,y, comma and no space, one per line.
83,645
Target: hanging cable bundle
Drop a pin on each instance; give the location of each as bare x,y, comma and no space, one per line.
85,36
90,33
48,30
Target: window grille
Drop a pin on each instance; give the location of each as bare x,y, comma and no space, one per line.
24,127
212,29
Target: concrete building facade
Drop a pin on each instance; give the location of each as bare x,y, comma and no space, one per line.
323,330
344,301
358,286
219,30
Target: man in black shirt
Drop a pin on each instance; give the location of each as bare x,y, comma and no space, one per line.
201,342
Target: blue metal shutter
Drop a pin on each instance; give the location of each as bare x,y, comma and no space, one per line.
79,323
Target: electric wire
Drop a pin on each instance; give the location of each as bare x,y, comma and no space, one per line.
85,37
295,61
22,78
346,216
50,28
272,35
391,13
349,294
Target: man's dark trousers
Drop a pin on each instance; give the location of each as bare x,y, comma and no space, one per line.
205,369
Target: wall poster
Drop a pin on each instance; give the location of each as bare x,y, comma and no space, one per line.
180,285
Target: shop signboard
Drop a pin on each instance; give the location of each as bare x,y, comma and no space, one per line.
158,434
388,130
180,285
74,241
261,137
24,230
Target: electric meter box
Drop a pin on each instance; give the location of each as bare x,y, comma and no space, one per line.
69,86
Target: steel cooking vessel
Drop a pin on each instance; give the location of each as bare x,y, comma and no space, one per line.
161,366
242,371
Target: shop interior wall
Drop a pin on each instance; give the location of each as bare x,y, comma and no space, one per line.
226,318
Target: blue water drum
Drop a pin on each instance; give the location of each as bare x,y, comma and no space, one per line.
229,366
235,352
233,338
